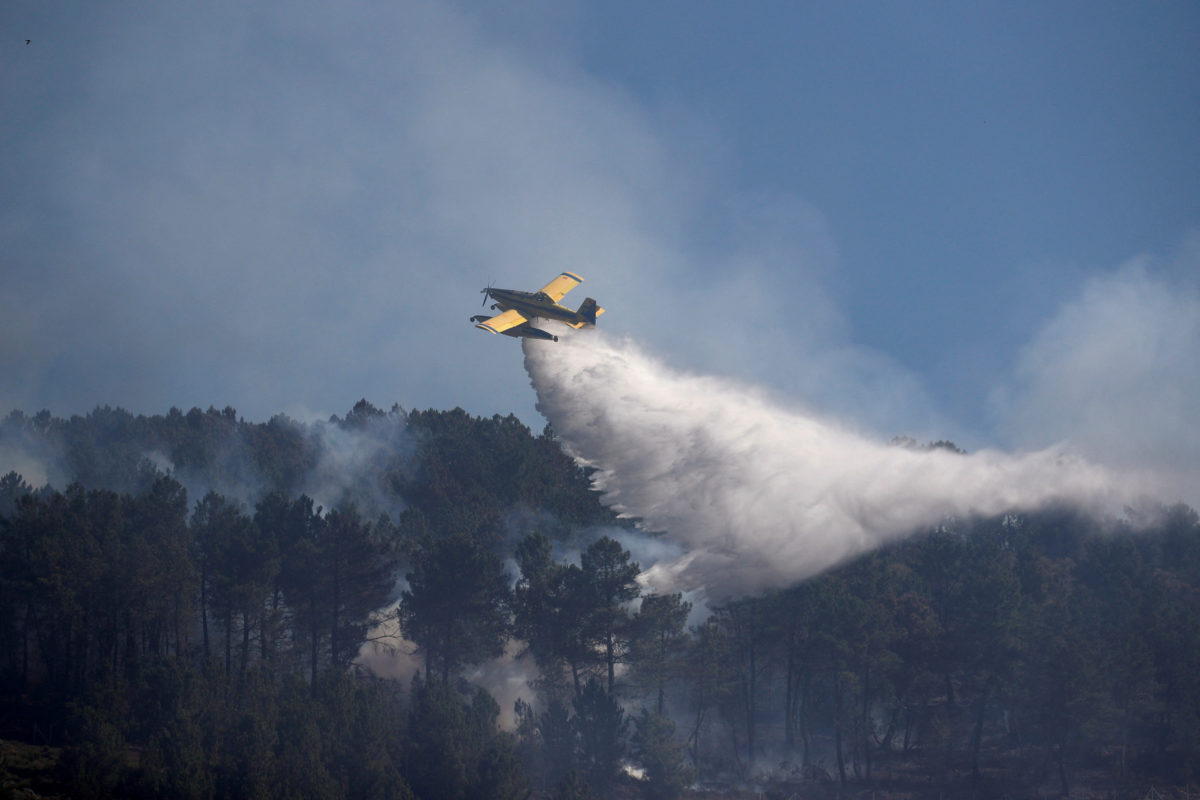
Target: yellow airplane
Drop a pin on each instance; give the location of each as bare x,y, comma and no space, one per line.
518,308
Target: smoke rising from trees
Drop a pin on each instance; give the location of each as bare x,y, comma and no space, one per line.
763,495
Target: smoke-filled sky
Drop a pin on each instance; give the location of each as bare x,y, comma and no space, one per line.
969,221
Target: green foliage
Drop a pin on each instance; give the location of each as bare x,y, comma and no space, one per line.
575,616
239,564
658,643
95,763
609,582
302,762
473,469
711,679
572,787
360,559
750,631
560,741
551,614
460,752
178,712
212,657
600,728
456,607
661,756
12,488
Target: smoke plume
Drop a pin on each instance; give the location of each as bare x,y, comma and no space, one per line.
760,494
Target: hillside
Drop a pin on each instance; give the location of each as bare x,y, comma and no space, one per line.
187,602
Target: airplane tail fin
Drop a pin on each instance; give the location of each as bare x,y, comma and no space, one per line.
588,311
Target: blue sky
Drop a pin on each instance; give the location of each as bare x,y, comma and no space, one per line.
973,161
974,221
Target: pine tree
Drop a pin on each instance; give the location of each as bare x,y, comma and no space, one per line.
456,606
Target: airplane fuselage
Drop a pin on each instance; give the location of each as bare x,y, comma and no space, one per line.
531,305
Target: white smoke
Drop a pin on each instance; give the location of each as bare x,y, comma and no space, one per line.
32,469
387,654
1117,372
759,494
354,463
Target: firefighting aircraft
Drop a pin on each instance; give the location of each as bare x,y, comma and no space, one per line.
520,307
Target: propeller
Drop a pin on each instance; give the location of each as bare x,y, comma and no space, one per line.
486,294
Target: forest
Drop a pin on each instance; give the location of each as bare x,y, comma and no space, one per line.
194,605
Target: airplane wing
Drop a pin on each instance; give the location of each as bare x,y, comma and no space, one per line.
502,322
564,283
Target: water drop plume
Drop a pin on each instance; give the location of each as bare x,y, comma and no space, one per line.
760,494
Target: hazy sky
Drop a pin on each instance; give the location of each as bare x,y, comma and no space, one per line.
973,221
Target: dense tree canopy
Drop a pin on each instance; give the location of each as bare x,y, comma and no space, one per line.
197,589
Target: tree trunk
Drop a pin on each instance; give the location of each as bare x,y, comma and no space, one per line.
25,646
841,762
228,641
977,735
180,626
751,686
204,610
81,658
837,729
266,638
335,602
805,737
1125,723
789,698
866,719
610,657
245,642
315,637
908,726
1061,757
694,739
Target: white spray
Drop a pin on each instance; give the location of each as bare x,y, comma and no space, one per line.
760,495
